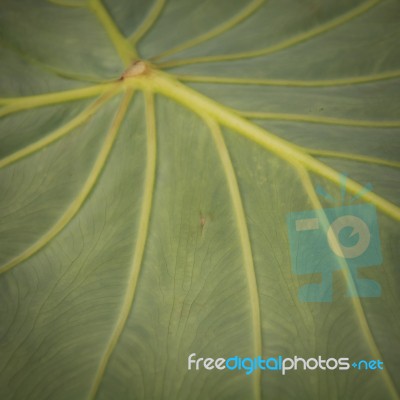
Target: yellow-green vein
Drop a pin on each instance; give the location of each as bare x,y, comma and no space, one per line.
314,119
301,37
126,52
354,80
69,3
352,157
77,203
58,133
201,104
13,104
148,22
245,245
50,68
219,30
361,317
139,247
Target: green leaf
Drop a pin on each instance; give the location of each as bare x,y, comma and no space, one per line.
150,154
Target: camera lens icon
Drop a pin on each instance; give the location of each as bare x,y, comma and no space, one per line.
358,227
326,240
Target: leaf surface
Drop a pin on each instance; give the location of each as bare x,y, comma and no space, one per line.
143,213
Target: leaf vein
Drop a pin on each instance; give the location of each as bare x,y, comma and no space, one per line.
57,134
148,22
355,80
201,105
137,261
49,68
353,157
14,104
244,238
319,119
126,52
80,199
358,308
301,37
241,16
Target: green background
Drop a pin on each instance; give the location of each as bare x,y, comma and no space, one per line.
150,230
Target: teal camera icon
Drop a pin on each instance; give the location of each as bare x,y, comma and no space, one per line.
323,241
